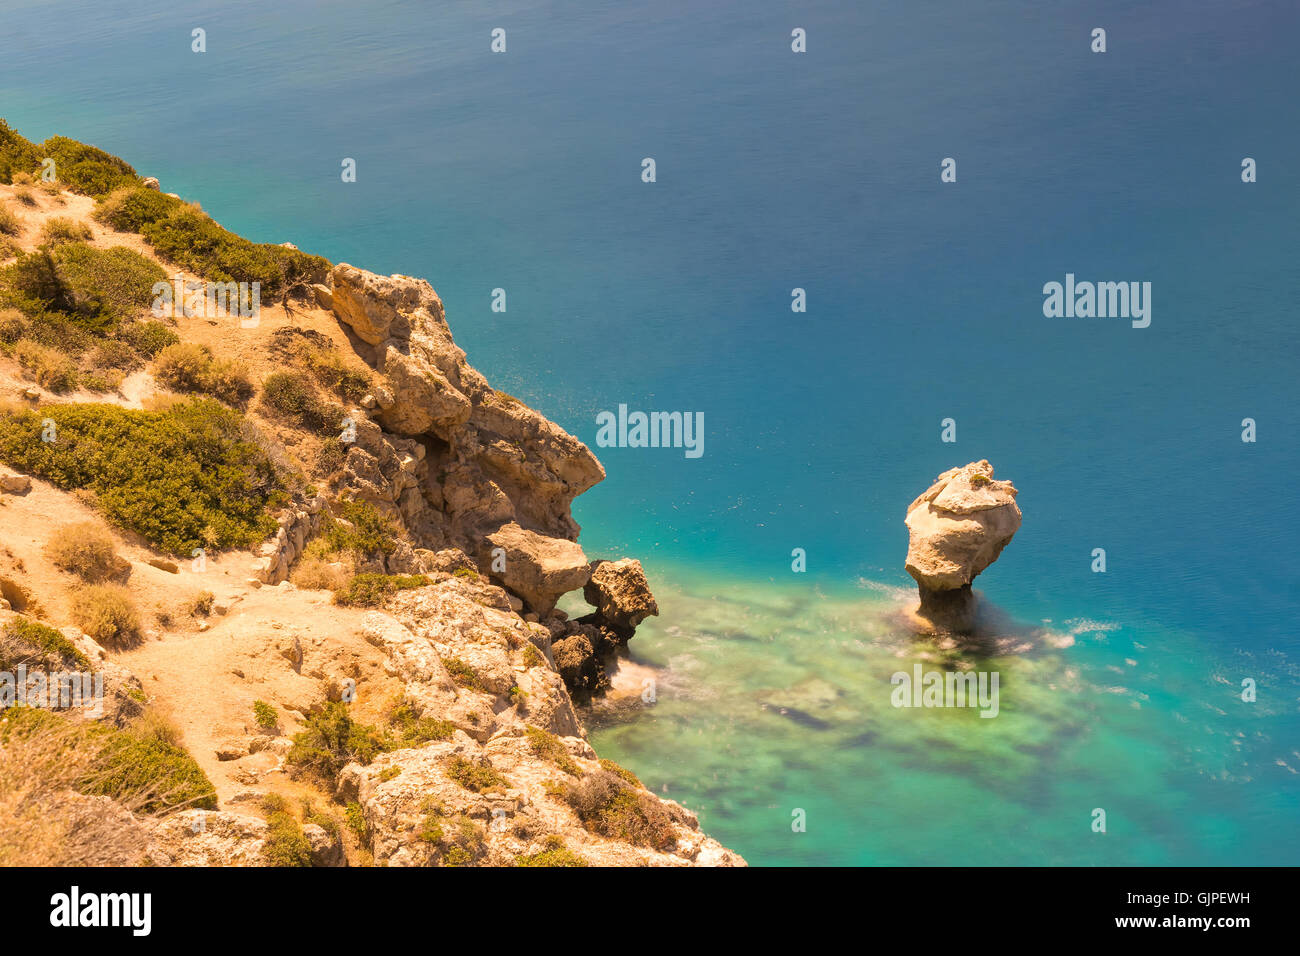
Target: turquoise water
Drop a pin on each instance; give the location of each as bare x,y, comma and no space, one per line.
821,171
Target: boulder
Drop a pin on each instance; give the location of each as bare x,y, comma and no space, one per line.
15,484
957,528
620,593
537,568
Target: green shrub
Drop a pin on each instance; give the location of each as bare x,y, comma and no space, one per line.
143,764
45,641
85,169
554,854
34,284
548,747
286,844
107,613
13,326
408,729
331,740
114,354
265,715
63,333
61,229
184,478
372,590
186,367
131,208
187,236
532,656
118,280
290,396
201,604
360,527
621,772
17,155
355,818
50,368
607,806
462,673
481,778
349,382
147,338
10,224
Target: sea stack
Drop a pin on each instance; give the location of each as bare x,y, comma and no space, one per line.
957,528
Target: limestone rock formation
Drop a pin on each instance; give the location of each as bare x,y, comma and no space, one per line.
619,592
537,568
957,528
488,460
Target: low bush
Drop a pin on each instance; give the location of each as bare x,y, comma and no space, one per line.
117,281
455,839
146,764
285,844
554,854
201,604
147,338
87,550
86,169
190,476
50,368
548,747
318,574
10,224
462,673
187,236
361,528
18,156
408,729
291,397
265,715
330,740
107,614
34,284
479,777
608,807
186,367
372,590
61,229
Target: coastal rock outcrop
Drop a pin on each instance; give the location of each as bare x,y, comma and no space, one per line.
537,568
620,593
957,528
493,459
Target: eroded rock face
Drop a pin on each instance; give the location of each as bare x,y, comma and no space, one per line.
465,656
537,568
484,460
957,528
620,593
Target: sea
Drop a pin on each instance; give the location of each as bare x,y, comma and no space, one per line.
838,263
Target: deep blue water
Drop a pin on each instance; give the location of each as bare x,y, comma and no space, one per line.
818,171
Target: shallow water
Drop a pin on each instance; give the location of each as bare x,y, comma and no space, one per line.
770,698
